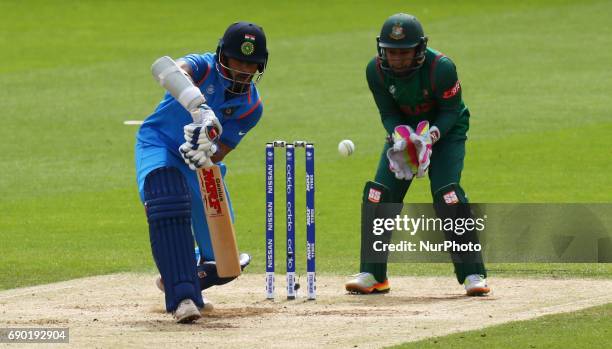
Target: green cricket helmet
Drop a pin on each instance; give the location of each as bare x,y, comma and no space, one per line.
402,31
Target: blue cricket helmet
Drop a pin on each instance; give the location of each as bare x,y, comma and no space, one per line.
244,41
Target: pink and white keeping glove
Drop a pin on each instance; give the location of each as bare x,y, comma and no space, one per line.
399,164
423,139
415,147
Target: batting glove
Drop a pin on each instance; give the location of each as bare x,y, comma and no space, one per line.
200,138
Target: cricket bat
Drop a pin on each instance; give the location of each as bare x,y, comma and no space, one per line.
218,216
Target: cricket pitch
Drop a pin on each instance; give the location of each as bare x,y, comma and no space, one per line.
126,310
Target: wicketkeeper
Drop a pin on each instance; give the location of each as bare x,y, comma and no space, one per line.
418,95
173,142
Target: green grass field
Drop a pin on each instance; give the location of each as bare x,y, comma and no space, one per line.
533,74
588,328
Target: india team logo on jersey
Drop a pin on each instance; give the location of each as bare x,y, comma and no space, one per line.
210,89
397,32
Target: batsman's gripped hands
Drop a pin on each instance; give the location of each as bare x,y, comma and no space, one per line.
201,137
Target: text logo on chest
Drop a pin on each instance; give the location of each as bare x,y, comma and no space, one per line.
418,109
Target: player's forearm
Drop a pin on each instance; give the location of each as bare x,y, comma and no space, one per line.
389,113
446,120
222,151
178,82
186,67
390,121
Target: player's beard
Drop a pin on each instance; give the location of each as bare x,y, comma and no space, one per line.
401,67
241,82
242,77
405,71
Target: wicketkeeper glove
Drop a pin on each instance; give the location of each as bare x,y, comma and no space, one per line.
200,138
399,165
415,147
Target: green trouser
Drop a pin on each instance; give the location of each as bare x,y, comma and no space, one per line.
444,170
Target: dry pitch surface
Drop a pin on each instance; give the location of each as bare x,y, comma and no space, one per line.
126,310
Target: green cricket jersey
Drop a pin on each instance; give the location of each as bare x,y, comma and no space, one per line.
433,93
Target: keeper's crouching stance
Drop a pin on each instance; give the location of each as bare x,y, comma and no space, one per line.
418,95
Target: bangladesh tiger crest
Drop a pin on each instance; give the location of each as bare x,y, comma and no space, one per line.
397,32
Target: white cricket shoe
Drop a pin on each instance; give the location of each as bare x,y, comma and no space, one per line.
186,312
366,283
476,285
208,305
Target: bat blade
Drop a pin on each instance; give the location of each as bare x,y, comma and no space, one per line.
220,226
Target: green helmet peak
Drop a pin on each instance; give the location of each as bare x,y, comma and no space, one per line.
402,31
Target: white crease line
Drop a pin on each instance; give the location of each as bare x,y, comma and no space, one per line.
133,122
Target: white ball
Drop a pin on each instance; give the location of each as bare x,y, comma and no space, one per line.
346,147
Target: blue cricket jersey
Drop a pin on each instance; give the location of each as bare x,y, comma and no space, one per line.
237,115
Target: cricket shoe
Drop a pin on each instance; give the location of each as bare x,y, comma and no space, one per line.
186,312
366,283
208,275
208,306
476,285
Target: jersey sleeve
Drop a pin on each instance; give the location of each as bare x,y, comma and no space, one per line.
390,114
200,66
234,130
447,92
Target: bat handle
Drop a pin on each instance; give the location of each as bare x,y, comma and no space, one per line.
209,163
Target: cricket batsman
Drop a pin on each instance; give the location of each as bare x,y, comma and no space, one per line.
418,95
173,142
